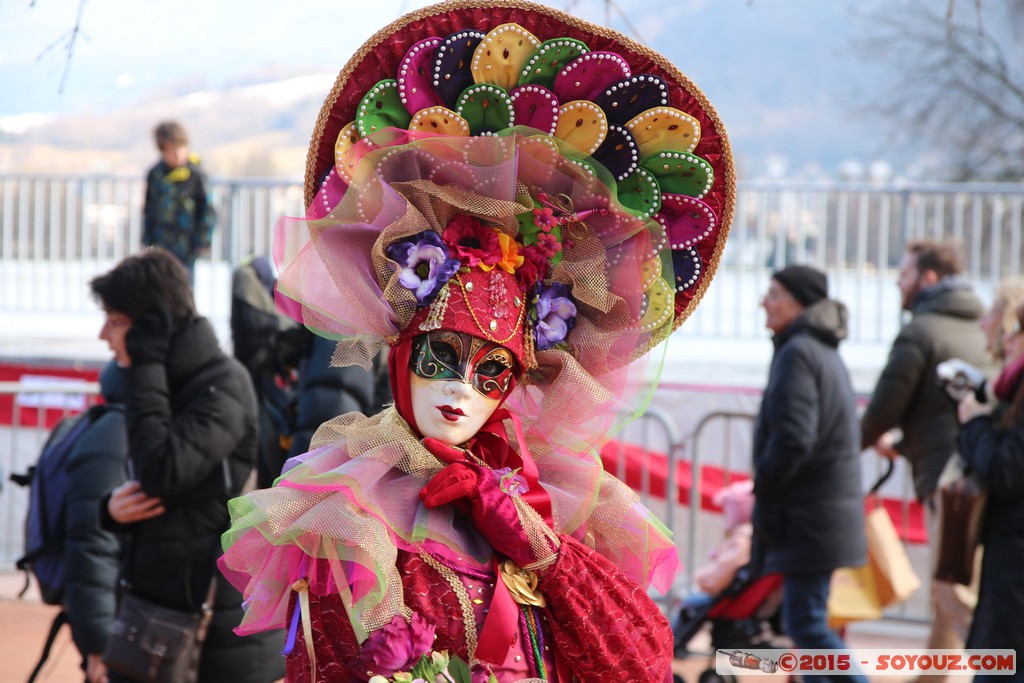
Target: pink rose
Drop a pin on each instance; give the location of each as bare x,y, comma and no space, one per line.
397,646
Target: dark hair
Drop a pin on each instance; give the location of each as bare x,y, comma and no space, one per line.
941,257
170,133
144,281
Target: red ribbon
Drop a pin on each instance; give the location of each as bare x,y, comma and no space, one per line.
501,624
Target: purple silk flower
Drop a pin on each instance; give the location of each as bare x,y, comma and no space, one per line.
556,314
424,266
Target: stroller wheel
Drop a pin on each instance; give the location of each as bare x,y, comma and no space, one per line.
712,676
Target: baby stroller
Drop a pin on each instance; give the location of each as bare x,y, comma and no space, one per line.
742,607
743,616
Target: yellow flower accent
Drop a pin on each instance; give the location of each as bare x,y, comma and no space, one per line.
510,258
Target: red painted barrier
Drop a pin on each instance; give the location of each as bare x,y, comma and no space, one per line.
29,416
637,459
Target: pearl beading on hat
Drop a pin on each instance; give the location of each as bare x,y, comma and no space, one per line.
634,153
644,121
546,94
704,166
658,243
684,285
639,78
655,202
547,47
659,294
487,89
584,166
590,109
444,47
419,120
322,194
350,131
653,270
543,140
361,193
491,38
695,207
374,94
403,69
595,57
365,190
438,168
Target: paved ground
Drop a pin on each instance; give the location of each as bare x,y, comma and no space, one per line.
24,624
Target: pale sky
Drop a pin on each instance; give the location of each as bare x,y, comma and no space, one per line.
779,72
127,48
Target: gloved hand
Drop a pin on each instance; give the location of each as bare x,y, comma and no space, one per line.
489,498
149,338
959,378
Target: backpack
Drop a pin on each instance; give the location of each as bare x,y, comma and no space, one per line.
44,524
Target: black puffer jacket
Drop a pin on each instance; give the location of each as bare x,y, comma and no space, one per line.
809,509
192,442
944,325
324,391
96,464
997,458
276,351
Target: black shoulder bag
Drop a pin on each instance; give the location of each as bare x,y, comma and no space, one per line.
157,644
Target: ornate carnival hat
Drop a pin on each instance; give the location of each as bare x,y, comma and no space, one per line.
506,170
509,171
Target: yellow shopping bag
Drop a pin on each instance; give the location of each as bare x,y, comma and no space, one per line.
895,579
861,593
853,596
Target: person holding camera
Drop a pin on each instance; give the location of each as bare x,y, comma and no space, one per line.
992,446
944,323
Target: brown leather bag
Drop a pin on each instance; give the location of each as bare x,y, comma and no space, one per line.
961,512
156,644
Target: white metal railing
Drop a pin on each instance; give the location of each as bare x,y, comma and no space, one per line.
56,232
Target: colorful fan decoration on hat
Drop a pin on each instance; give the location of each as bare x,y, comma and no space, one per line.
572,94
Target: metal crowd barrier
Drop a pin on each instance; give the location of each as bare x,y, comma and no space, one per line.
720,439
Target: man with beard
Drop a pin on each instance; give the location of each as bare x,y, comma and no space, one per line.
944,323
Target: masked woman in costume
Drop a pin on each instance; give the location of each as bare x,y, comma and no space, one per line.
522,206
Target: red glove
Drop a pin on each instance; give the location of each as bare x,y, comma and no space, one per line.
488,497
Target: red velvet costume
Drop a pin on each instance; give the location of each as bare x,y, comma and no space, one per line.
604,627
598,624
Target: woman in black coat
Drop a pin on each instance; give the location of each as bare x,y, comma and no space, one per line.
297,387
808,507
191,424
992,445
95,465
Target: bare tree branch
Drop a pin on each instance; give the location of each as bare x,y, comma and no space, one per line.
66,43
957,87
